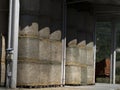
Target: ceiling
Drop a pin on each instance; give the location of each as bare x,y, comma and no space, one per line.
113,2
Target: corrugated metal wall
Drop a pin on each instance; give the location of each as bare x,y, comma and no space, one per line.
47,13
80,24
4,12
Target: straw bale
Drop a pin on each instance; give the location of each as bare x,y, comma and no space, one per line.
78,71
38,73
73,75
35,27
30,30
82,55
50,50
3,50
90,75
28,74
72,43
44,49
72,55
44,73
87,75
3,69
90,44
55,74
80,75
56,51
90,55
50,55
2,64
56,35
82,44
44,33
50,74
28,49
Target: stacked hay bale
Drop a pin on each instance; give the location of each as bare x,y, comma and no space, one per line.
39,57
50,56
79,64
90,64
56,58
2,64
72,75
28,49
44,55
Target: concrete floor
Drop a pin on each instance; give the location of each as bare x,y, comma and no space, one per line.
91,87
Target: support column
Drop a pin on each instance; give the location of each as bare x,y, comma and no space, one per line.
64,40
13,43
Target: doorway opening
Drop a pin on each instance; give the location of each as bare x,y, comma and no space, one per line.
107,50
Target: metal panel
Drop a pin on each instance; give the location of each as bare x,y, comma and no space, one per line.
114,2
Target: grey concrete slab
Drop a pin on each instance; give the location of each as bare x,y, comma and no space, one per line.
91,87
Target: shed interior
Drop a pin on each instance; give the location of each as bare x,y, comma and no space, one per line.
81,20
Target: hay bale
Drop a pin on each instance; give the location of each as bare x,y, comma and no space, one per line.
90,55
72,68
28,49
79,75
28,43
90,75
50,56
90,44
2,64
78,71
55,74
49,73
87,75
72,43
3,73
72,55
30,31
50,52
56,35
82,55
35,27
44,33
44,49
73,75
28,74
44,73
81,44
3,49
56,51
40,73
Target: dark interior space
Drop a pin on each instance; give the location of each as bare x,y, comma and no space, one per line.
80,22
